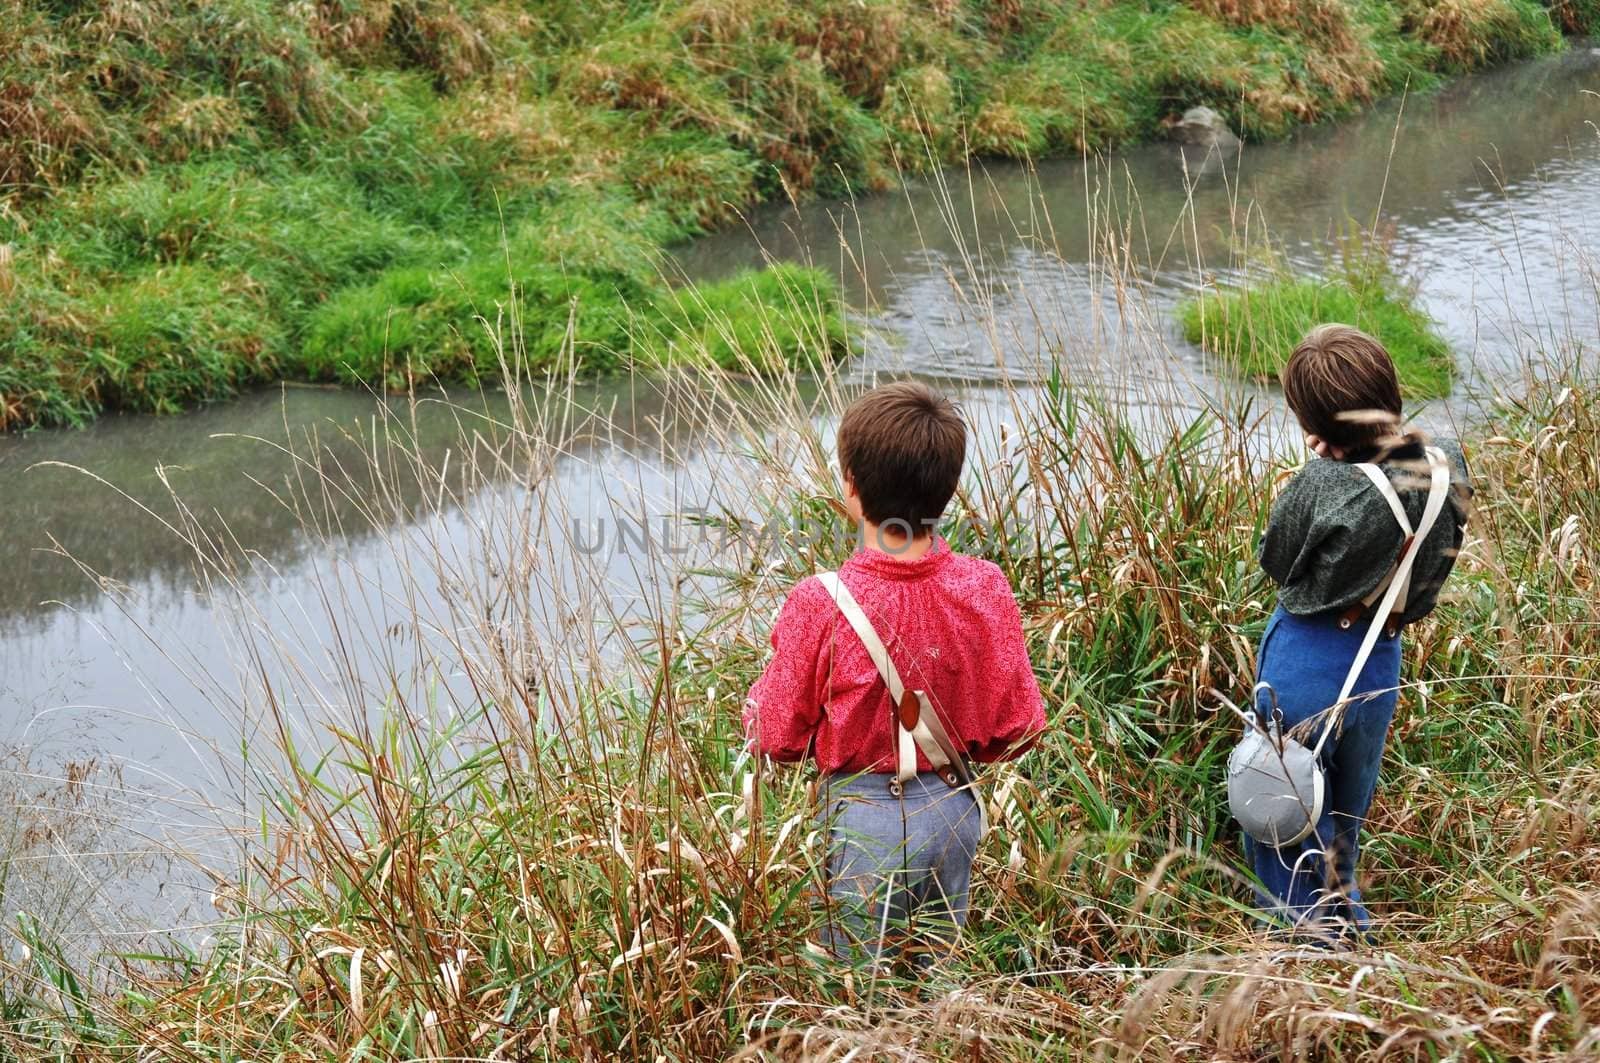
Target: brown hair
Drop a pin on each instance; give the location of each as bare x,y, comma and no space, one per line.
1341,385
903,445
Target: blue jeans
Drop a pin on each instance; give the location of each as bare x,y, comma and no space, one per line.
898,868
1312,885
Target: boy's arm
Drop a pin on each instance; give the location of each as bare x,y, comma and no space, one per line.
785,704
1018,718
1291,539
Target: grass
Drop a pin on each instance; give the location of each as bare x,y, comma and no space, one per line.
508,819
1254,327
521,840
363,172
755,321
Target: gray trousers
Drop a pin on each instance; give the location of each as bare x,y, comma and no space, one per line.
898,869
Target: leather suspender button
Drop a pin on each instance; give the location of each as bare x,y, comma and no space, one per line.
910,710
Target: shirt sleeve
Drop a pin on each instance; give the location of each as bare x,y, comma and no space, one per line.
785,705
1018,717
1292,538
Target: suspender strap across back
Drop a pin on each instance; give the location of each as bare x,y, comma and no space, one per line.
1386,489
917,725
1400,579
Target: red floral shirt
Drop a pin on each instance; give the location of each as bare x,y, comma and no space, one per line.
952,627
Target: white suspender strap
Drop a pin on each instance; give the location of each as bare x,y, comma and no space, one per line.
917,725
1386,489
1438,490
906,754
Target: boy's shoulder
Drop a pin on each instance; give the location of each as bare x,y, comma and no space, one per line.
1328,471
1319,478
978,571
809,592
1454,452
971,563
1323,482
806,606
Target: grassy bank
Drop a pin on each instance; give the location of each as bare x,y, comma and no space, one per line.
574,868
1254,326
197,197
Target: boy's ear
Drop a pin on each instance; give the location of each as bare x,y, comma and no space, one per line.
850,508
836,504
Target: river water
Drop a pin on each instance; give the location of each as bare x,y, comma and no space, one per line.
115,672
1488,190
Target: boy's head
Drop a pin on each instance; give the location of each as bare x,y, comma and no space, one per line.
901,447
1341,385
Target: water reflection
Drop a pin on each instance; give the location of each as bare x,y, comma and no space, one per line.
105,492
320,600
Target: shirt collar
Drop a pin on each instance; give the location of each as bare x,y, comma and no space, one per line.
1410,450
888,566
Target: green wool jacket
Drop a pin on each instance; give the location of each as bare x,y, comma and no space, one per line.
1332,538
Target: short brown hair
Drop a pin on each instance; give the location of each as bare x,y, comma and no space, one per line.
903,445
1341,385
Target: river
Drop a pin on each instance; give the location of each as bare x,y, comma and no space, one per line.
1487,188
118,674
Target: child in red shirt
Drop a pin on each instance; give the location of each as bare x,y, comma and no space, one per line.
899,862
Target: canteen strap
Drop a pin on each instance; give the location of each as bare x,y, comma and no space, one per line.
1438,489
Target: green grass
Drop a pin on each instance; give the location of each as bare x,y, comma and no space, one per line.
1255,327
752,321
331,163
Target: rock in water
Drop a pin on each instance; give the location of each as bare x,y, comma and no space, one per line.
1205,128
1205,141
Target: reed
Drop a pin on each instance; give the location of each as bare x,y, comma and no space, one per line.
504,814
